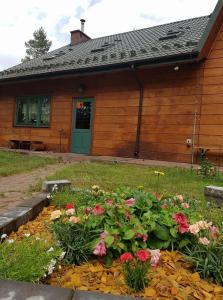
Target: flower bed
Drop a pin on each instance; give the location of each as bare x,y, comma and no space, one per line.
113,240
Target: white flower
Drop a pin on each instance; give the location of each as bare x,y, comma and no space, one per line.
62,255
48,196
56,214
10,241
50,250
4,236
55,188
38,238
51,266
26,234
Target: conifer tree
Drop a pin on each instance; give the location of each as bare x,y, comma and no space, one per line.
37,46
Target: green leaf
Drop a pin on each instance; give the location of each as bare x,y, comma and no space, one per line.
184,243
129,234
162,232
174,232
109,239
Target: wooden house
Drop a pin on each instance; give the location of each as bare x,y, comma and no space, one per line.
154,93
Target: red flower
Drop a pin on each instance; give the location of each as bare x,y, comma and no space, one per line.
126,257
98,210
181,220
183,227
69,206
164,206
143,255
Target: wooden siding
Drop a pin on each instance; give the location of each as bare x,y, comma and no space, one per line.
211,120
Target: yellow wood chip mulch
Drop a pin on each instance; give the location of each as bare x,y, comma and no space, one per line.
173,279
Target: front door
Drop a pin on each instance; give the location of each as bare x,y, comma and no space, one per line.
82,125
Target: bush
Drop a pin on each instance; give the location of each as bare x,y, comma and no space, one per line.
207,260
27,259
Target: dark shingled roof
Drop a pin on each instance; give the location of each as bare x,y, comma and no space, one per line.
163,43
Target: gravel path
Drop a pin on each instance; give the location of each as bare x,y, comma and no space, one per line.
15,189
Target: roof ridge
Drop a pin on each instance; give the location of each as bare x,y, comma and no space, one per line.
155,26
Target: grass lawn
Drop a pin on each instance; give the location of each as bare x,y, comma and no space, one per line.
12,163
176,180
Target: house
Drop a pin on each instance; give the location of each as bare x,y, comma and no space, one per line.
154,93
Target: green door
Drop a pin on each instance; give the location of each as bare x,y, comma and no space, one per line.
82,125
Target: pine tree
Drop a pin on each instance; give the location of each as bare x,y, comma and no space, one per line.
37,46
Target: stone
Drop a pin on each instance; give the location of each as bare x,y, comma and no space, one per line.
13,290
11,220
37,203
61,184
83,295
214,194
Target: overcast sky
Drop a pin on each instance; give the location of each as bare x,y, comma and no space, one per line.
20,18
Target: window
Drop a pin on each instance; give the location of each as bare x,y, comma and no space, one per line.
33,111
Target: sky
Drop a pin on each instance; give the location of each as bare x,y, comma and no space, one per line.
20,18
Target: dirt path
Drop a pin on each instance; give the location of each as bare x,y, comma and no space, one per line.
14,189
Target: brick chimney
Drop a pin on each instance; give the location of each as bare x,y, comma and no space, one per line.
78,36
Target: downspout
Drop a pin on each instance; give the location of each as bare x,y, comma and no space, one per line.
140,106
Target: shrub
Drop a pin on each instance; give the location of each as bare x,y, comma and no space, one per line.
27,260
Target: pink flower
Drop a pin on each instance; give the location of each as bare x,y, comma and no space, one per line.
142,236
185,205
103,234
130,202
98,210
214,231
87,210
194,229
74,220
143,255
203,225
204,241
180,198
70,211
164,206
69,205
100,249
109,202
155,257
126,257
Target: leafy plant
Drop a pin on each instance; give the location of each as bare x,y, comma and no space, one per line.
207,260
27,259
206,168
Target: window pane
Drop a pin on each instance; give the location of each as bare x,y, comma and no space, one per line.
83,115
45,112
33,111
21,114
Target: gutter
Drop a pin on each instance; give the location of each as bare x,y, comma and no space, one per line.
150,63
140,107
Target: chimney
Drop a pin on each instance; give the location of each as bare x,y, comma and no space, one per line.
78,36
82,24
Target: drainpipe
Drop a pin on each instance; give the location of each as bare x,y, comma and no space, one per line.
140,106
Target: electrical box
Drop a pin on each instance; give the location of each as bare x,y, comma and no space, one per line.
188,142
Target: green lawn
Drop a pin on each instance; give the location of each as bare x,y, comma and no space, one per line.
12,163
176,180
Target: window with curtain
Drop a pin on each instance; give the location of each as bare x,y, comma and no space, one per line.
33,111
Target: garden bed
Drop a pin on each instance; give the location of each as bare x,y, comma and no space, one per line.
126,221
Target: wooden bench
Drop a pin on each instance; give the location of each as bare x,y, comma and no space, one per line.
30,145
